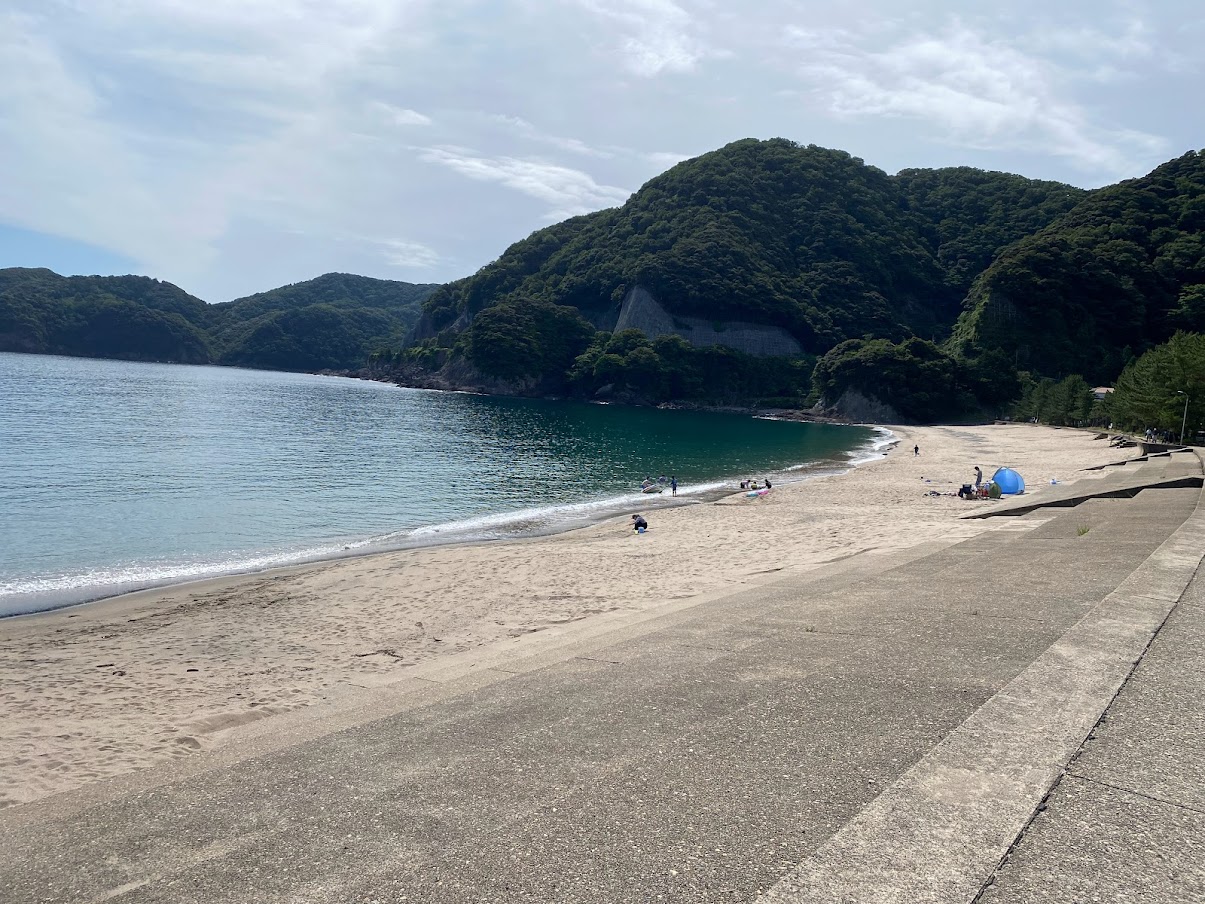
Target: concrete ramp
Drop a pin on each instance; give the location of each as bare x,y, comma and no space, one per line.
1181,469
882,730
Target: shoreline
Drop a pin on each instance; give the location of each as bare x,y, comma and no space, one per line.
425,536
97,691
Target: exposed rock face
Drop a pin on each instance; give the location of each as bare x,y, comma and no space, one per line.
862,409
641,311
423,329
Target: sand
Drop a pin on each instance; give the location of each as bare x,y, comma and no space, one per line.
101,690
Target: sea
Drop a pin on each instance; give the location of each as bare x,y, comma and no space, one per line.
119,476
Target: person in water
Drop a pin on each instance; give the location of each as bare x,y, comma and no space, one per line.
768,486
673,484
639,524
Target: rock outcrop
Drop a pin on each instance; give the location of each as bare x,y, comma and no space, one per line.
853,406
641,311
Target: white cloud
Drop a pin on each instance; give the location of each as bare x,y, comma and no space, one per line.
221,143
157,128
1087,42
408,255
68,170
665,159
525,129
982,93
567,191
655,35
401,116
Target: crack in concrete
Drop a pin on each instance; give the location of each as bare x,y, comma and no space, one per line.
1151,797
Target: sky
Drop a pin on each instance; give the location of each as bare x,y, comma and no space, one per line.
231,146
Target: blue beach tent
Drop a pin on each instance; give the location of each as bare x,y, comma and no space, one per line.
1009,481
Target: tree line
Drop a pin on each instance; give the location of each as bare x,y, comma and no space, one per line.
940,293
333,322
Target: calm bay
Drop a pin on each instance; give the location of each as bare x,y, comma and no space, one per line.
116,476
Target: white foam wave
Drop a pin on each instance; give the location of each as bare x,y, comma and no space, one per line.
156,573
54,590
26,594
875,449
526,520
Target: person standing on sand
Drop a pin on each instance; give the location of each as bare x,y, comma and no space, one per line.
978,477
673,484
915,451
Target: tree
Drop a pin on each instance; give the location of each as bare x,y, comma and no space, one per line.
915,377
528,339
1146,392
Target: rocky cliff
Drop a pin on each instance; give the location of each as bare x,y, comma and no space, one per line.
641,311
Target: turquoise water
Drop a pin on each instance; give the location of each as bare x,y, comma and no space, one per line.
116,476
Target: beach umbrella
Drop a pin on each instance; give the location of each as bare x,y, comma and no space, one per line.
1009,481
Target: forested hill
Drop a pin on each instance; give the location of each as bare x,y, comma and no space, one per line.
760,248
330,323
808,240
1116,275
970,214
341,290
764,270
804,238
333,322
130,317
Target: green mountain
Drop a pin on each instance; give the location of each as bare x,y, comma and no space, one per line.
969,214
763,271
129,317
1117,274
333,322
762,249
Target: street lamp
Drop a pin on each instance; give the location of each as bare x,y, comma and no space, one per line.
1183,420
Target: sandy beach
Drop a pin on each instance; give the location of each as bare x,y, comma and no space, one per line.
115,686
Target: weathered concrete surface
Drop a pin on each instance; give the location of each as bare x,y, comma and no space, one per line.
1169,471
716,750
937,833
1127,821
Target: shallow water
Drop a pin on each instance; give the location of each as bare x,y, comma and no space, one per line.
116,475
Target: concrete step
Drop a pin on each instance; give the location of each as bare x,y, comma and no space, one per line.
714,752
1175,470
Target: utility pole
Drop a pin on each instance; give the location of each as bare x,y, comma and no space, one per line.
1183,420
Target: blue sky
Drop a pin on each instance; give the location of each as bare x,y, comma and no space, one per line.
231,146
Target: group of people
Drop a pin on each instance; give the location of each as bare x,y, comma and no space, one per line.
970,492
660,481
754,485
640,524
